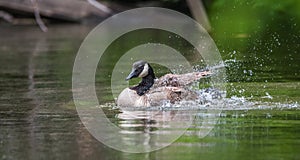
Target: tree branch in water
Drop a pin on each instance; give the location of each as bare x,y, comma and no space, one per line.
37,16
6,16
100,6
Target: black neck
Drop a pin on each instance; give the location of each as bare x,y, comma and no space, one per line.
146,83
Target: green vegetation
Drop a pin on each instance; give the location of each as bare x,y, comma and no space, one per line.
259,33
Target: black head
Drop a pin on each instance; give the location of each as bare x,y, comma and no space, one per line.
140,69
143,70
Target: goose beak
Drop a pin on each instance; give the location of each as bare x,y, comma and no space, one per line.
131,75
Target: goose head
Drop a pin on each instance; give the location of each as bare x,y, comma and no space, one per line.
143,70
140,69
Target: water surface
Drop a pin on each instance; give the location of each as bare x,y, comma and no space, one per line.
38,119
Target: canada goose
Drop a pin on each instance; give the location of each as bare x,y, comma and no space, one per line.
154,92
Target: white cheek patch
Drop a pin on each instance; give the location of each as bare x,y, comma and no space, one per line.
145,71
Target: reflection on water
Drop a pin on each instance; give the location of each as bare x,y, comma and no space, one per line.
38,119
155,129
167,122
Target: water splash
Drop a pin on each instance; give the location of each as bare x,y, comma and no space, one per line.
213,99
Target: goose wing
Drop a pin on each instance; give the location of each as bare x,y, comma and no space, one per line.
180,80
160,95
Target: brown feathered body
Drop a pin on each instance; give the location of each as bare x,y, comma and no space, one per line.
170,88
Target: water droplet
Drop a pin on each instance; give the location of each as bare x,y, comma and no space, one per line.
250,72
268,115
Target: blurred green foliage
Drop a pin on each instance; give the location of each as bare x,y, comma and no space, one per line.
258,37
243,19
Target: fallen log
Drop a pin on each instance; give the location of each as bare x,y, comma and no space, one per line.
6,16
66,10
198,11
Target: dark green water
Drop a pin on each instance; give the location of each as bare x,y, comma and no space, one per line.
38,119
